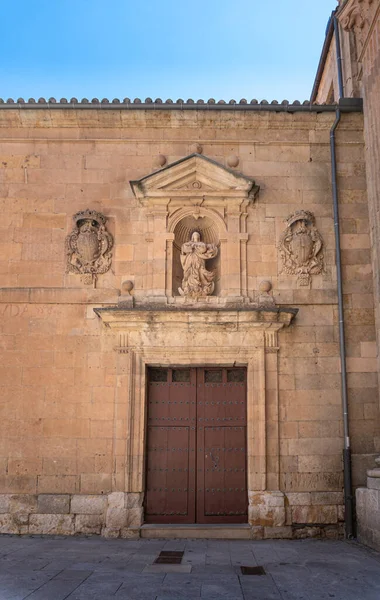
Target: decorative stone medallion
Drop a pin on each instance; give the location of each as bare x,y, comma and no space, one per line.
300,247
88,246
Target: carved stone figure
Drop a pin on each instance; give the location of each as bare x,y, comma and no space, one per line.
300,247
197,282
88,246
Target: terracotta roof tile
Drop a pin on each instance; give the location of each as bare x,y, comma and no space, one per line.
149,103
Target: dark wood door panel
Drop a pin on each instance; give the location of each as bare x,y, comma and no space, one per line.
225,493
171,474
171,403
171,435
221,446
196,459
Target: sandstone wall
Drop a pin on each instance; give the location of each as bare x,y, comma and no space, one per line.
62,423
371,93
359,24
363,27
368,500
368,509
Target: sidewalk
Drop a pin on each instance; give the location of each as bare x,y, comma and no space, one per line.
52,568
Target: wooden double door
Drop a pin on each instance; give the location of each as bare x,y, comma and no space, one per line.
196,446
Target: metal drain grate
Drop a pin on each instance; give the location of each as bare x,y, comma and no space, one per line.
253,570
169,557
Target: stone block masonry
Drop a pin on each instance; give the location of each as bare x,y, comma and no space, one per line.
271,515
65,514
73,387
368,509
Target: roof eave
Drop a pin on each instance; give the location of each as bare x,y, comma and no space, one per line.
322,60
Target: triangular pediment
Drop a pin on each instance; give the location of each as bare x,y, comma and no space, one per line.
195,175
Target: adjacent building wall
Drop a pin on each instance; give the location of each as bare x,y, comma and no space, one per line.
360,46
64,398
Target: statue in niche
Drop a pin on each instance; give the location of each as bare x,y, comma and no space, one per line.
300,247
88,246
197,282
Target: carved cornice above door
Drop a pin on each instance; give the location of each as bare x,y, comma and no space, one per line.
192,180
196,322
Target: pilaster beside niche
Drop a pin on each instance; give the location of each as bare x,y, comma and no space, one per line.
196,194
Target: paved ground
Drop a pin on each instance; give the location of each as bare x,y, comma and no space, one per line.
52,568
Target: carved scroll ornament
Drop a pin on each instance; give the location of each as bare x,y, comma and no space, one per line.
88,246
197,281
300,247
356,14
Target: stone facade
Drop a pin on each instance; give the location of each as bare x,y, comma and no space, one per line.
368,509
73,378
359,25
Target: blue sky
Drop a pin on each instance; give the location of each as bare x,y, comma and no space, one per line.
161,48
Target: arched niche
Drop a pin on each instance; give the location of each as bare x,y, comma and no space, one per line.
177,199
209,233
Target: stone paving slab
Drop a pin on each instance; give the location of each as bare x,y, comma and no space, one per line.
92,568
167,569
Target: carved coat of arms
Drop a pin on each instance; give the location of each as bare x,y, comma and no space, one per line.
88,246
300,247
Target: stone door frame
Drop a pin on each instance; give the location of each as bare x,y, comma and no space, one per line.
199,338
135,363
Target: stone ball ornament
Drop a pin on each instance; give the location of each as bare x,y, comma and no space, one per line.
127,286
265,287
88,246
265,298
160,160
233,161
196,148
